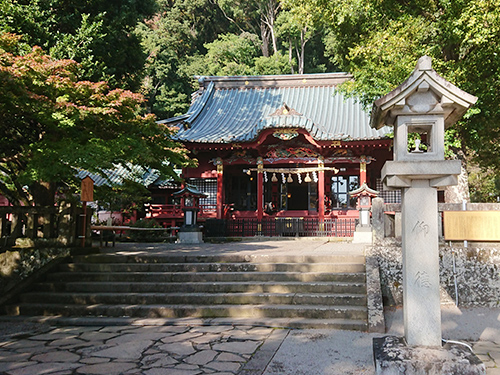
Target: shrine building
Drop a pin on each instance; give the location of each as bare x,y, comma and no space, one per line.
277,155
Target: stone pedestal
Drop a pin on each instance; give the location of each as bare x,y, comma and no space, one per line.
419,218
363,234
191,236
422,308
393,356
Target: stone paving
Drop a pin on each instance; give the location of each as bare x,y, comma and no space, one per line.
138,350
190,348
489,353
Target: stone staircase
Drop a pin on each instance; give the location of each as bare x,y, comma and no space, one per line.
292,291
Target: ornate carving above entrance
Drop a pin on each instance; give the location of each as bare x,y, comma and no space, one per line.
302,153
286,134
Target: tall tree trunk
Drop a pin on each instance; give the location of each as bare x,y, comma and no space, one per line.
269,11
264,34
302,51
290,54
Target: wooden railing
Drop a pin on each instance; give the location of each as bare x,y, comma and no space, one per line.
61,224
281,227
174,211
477,222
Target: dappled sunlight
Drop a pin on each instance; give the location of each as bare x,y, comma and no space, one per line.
258,281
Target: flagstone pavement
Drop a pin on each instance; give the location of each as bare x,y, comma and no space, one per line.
190,347
186,349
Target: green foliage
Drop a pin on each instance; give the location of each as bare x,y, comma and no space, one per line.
276,64
178,31
127,197
146,235
98,34
232,55
484,185
52,124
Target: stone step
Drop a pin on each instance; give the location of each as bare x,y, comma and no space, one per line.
162,277
194,311
233,258
304,291
349,286
196,298
213,267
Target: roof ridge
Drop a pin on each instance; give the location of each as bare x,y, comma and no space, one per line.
284,80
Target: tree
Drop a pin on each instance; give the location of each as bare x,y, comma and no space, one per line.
256,17
379,42
99,34
232,55
297,29
176,33
51,125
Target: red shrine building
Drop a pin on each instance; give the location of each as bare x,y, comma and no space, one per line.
276,155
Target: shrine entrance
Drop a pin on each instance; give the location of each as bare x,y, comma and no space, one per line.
297,197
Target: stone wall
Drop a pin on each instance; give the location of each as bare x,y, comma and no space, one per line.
477,273
17,265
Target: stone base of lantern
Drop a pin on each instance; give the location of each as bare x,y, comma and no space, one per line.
189,236
362,234
392,357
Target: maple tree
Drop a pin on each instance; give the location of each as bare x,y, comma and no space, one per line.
52,124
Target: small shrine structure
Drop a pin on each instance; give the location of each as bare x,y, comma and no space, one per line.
190,231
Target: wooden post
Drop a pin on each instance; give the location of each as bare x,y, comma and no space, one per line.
321,191
87,195
362,170
220,189
260,189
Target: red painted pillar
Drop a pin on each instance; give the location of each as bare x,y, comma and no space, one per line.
260,188
321,189
362,170
220,189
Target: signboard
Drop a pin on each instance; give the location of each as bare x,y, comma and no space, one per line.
87,190
471,225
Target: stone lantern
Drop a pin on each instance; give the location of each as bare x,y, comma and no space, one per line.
364,194
420,110
190,231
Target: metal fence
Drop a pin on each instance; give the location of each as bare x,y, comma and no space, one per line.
281,227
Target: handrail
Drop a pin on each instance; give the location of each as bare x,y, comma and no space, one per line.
124,227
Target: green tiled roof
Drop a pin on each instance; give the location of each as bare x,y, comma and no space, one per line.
237,109
146,177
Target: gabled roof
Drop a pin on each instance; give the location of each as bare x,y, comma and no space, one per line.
237,109
190,190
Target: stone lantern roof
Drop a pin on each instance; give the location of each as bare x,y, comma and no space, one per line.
424,92
190,190
364,190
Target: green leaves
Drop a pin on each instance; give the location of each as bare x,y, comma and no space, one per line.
53,124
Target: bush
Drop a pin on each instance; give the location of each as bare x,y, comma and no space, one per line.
146,235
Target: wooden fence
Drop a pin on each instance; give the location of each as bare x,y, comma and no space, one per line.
280,227
473,222
61,225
